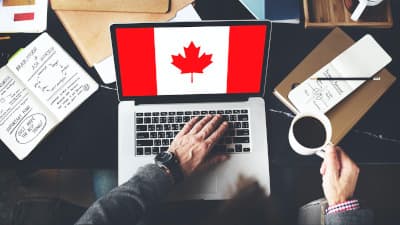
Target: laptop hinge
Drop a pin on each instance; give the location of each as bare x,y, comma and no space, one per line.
197,100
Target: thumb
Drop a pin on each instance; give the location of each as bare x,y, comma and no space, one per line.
331,161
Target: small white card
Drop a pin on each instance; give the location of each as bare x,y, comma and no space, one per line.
363,59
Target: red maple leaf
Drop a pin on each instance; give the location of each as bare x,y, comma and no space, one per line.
191,63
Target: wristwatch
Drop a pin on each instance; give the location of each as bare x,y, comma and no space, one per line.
167,160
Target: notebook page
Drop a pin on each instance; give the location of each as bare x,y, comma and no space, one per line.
53,76
363,59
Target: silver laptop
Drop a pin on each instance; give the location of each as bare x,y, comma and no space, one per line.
167,73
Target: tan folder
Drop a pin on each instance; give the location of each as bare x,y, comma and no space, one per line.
348,112
90,30
146,6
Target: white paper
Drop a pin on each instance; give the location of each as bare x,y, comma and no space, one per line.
53,76
363,59
106,67
36,25
24,121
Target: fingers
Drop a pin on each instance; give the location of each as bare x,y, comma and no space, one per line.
188,126
201,124
213,138
322,170
210,127
348,166
332,162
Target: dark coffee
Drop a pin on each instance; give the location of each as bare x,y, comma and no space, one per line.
309,132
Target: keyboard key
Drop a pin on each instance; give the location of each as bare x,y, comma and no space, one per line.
238,148
139,120
186,119
245,125
157,142
169,134
155,113
155,150
163,113
228,111
141,127
152,127
196,113
171,119
230,125
237,125
153,134
175,126
230,132
171,113
233,118
244,111
181,126
246,149
167,127
163,149
139,151
188,113
228,140
241,140
220,112
176,133
154,120
139,114
142,135
147,151
144,142
236,111
242,132
161,134
163,119
212,112
204,112
165,142
225,117
159,127
147,120
243,117
147,114
178,119
179,113
230,150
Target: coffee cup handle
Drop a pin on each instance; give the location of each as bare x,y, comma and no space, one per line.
359,10
321,153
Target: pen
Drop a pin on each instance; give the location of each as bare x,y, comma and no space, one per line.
345,78
5,38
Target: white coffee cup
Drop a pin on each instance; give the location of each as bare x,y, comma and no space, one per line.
362,4
304,150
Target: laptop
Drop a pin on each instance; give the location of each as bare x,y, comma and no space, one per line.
168,73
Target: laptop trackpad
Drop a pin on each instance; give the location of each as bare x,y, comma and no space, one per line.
204,183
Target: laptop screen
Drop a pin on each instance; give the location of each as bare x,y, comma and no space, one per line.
203,58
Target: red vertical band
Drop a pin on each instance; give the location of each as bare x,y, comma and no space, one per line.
245,58
137,65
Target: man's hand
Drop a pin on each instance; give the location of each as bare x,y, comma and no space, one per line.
192,144
339,176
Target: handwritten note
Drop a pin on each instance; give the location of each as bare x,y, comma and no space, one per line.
363,59
39,87
52,75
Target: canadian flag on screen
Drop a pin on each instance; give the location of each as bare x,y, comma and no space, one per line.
190,60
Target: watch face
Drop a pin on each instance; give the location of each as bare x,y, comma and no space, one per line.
164,157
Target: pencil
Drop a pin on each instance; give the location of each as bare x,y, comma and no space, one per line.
345,78
5,38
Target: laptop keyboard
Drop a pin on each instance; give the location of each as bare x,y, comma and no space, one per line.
156,130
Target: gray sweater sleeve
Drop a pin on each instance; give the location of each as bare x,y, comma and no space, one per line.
353,217
127,203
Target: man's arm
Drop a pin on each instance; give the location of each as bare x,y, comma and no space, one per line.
127,203
339,180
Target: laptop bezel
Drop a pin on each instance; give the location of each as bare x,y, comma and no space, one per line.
193,97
